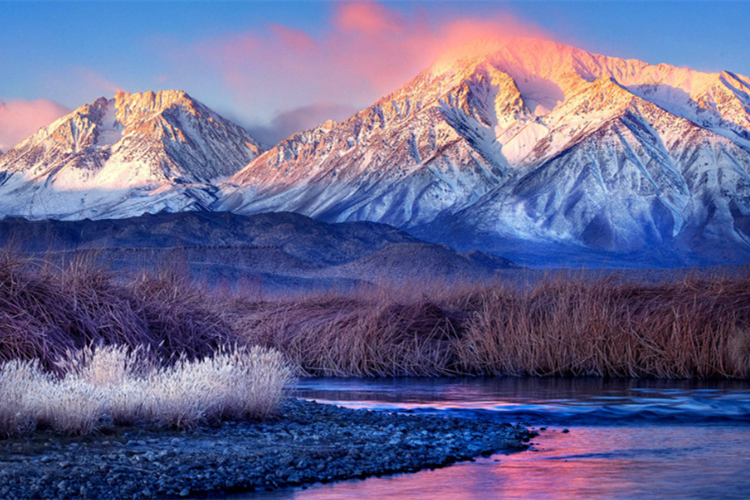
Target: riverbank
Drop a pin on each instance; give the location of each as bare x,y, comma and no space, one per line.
307,443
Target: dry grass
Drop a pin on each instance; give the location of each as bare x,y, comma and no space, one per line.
114,385
694,328
46,311
687,329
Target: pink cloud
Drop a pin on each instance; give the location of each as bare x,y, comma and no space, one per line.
367,17
97,82
19,119
369,51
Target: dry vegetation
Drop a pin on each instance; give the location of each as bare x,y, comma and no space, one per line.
692,328
113,385
46,311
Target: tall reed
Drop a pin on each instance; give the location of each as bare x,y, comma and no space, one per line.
692,328
46,311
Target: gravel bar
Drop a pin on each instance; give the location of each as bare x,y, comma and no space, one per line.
308,443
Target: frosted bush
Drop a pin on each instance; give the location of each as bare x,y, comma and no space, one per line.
69,406
18,379
107,365
126,387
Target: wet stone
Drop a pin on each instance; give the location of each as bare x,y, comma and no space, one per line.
307,443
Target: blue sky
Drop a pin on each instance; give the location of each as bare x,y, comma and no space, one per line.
281,64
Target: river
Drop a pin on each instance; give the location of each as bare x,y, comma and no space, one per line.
630,439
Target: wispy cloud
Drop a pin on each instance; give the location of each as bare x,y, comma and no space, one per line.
97,82
305,117
19,119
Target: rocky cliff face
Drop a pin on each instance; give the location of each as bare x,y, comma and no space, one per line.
124,156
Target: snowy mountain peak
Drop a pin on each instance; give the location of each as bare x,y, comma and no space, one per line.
523,147
531,144
88,163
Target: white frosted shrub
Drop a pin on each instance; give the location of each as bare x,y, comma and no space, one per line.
69,406
127,402
19,379
260,377
126,386
107,365
180,395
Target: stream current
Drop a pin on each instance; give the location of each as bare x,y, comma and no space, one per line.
632,439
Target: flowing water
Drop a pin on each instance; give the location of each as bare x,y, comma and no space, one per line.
626,439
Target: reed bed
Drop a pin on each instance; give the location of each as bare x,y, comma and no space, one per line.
46,311
694,327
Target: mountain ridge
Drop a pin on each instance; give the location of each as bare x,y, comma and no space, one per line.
146,151
503,143
645,155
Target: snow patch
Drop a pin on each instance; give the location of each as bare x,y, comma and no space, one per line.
110,131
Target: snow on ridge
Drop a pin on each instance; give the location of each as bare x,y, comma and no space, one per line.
533,141
96,161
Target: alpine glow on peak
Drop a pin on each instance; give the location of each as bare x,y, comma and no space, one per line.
525,140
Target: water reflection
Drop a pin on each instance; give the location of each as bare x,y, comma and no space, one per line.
628,439
545,401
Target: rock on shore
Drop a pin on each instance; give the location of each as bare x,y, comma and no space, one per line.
310,442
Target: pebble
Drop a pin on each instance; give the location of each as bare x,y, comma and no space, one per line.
309,442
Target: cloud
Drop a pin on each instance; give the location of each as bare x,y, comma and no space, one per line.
367,17
19,119
287,123
368,51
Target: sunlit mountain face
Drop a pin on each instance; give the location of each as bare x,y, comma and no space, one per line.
538,150
125,156
527,148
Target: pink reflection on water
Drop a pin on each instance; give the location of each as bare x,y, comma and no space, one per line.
685,462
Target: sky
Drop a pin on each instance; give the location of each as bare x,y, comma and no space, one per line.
278,67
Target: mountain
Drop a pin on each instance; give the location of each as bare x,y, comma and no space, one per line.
124,156
542,151
272,250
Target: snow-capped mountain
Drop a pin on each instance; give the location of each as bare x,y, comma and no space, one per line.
535,150
520,143
121,157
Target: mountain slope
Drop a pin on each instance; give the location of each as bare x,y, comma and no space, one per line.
518,142
124,156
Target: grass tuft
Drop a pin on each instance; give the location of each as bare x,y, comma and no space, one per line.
114,385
